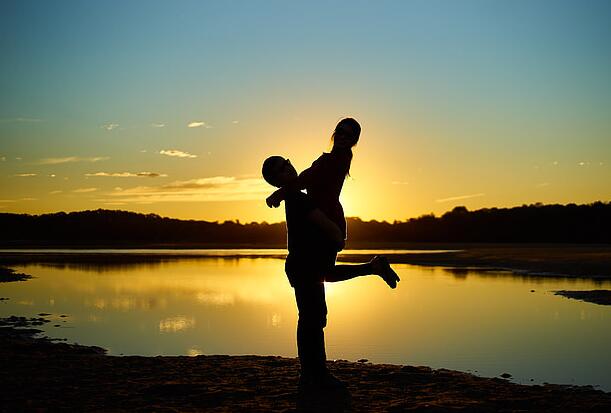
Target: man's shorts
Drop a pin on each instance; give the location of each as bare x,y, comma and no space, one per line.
309,267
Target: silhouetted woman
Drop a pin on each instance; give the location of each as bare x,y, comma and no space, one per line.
325,178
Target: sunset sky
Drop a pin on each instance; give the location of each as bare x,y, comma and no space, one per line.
170,107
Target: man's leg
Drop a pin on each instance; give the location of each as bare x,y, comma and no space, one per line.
310,335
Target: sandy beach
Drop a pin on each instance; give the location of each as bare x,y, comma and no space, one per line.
41,375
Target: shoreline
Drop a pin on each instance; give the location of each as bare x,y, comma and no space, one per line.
537,260
80,378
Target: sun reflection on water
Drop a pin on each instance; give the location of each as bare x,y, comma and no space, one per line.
193,352
174,324
215,298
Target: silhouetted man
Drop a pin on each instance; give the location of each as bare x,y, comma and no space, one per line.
313,242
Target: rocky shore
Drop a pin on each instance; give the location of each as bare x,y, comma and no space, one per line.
42,375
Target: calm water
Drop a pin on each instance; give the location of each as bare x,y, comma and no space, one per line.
484,322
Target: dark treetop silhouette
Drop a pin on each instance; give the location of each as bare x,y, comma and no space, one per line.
528,223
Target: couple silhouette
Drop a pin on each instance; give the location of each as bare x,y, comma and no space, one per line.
316,232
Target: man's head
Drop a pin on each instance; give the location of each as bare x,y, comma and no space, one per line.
278,171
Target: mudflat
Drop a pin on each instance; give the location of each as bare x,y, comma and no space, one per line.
601,297
565,260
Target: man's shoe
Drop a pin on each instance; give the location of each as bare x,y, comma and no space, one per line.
307,381
324,381
330,382
381,267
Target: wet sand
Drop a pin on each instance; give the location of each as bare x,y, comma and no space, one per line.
40,375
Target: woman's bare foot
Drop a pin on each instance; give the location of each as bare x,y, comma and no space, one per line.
381,267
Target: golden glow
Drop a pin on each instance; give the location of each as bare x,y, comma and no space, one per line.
396,174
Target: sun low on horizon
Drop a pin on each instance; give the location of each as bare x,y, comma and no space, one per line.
171,107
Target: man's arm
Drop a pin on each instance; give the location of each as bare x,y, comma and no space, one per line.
299,183
328,228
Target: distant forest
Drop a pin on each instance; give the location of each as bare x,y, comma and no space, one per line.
528,223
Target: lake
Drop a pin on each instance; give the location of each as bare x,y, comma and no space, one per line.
485,322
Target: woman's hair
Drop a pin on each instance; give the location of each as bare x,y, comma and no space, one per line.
351,124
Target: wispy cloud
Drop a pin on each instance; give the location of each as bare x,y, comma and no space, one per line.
218,188
235,122
196,124
110,126
458,198
9,201
26,175
542,184
158,125
128,174
55,192
2,158
177,153
67,159
20,120
84,190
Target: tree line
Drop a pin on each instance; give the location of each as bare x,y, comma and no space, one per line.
588,223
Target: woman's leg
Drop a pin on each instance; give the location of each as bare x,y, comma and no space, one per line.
343,272
378,266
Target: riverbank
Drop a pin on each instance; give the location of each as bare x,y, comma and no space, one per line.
540,260
41,375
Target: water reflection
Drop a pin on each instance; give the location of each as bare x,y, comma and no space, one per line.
274,320
465,319
174,324
215,298
125,303
461,273
193,352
